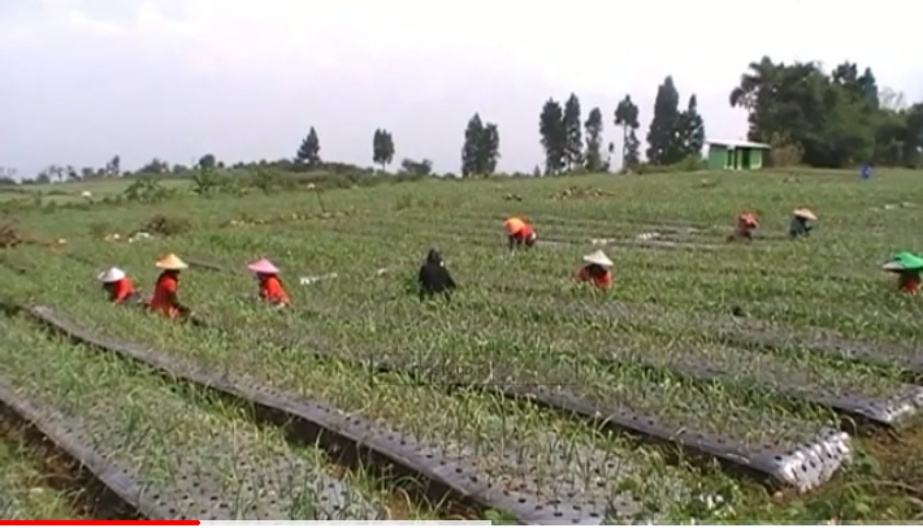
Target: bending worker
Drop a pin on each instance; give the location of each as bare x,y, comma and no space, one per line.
597,269
519,232
271,290
746,223
118,286
908,268
800,226
165,298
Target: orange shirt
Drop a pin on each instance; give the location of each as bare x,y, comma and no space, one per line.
603,282
166,286
122,289
271,290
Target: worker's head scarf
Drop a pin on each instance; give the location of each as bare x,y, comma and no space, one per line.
434,258
513,224
748,219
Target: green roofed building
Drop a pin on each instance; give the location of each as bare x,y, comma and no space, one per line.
736,155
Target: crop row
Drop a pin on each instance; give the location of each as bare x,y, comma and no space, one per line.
190,463
626,398
457,470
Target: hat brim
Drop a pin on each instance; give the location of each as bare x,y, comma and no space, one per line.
606,263
263,270
171,266
897,266
804,213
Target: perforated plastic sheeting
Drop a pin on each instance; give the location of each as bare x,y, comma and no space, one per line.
455,473
804,466
904,402
68,438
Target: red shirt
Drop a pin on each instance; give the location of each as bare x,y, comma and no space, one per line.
164,290
909,282
603,282
271,290
122,290
525,232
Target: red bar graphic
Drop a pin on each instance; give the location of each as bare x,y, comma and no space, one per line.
100,523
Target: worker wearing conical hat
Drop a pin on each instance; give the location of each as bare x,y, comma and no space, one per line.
519,232
908,268
746,223
271,290
118,286
596,269
800,226
165,299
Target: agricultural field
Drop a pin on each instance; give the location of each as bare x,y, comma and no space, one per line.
772,380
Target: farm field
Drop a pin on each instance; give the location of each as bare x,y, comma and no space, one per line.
777,380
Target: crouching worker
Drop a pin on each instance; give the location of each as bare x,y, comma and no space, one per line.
908,268
271,290
118,287
800,226
434,277
519,232
597,269
165,299
746,223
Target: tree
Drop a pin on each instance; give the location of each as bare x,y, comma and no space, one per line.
663,139
834,120
382,147
594,139
573,133
416,168
691,130
471,146
309,150
481,148
554,136
626,116
113,168
207,162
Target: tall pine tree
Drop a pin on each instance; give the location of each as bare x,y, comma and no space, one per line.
481,148
554,137
573,131
626,116
309,150
692,130
382,148
664,144
594,139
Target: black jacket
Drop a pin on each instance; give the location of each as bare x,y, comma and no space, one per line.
434,277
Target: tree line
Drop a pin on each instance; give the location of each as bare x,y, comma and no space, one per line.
833,120
806,115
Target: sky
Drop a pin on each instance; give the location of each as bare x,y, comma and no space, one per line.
84,80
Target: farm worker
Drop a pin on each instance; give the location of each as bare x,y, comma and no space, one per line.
271,289
434,277
746,223
908,268
596,270
165,299
519,232
800,226
118,286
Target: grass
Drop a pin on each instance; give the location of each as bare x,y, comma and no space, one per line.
518,320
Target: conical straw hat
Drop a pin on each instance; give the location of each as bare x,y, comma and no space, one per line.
171,262
904,261
598,257
263,266
804,213
111,275
513,224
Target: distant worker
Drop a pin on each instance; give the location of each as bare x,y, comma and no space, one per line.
519,232
165,299
434,277
800,226
118,286
908,268
746,223
597,269
271,290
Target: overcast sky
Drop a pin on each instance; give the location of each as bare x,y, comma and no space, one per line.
84,80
